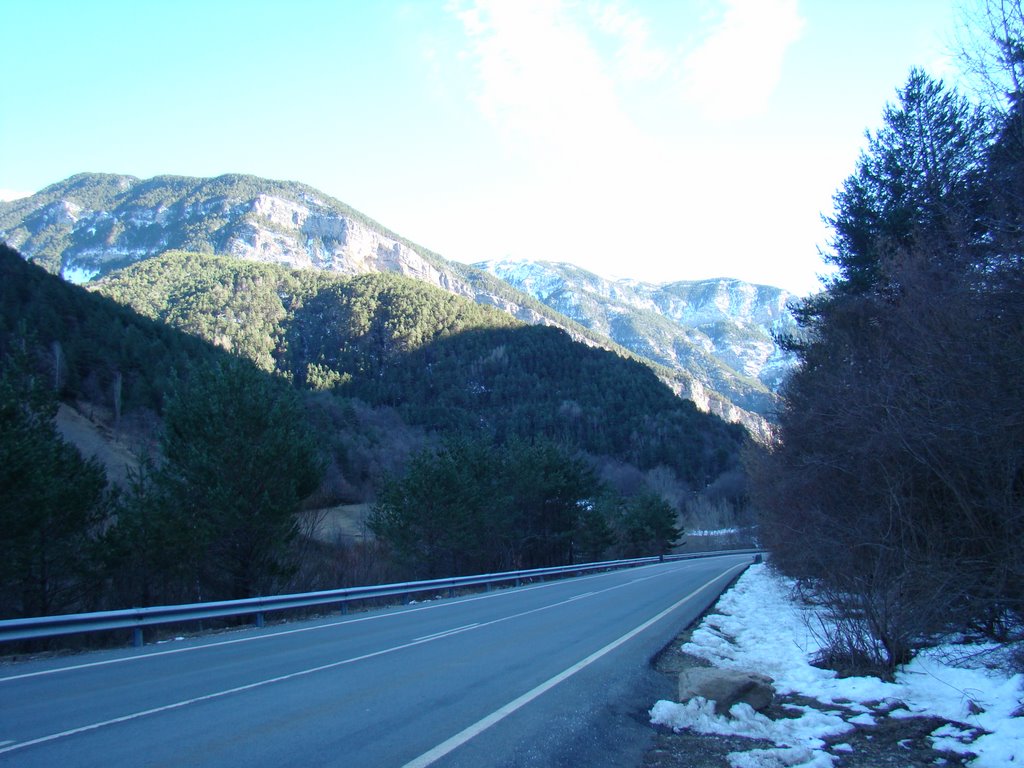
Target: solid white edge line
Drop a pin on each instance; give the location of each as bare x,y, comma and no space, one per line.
460,738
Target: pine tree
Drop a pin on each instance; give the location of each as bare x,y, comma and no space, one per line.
52,501
238,460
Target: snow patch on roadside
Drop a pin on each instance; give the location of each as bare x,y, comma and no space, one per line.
757,626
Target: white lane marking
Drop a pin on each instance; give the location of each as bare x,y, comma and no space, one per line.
251,638
442,749
292,675
447,632
207,697
329,625
587,594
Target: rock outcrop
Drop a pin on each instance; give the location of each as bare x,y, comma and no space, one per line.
722,332
726,687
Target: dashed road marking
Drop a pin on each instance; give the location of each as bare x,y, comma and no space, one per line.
446,633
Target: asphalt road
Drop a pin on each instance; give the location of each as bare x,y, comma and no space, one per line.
551,674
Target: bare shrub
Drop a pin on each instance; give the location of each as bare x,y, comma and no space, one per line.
704,514
344,563
666,483
623,478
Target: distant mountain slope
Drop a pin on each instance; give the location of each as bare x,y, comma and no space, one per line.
720,331
442,361
89,347
90,225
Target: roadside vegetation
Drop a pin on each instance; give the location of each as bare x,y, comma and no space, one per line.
895,490
254,397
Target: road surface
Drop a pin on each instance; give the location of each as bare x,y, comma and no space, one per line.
550,674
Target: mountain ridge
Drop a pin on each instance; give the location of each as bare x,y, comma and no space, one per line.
729,326
445,363
93,224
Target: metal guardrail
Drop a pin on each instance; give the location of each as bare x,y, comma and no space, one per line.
136,619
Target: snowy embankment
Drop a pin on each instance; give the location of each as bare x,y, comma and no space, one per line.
757,626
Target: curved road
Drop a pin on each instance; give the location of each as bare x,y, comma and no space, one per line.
550,674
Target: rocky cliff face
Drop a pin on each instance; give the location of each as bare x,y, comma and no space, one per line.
736,322
92,224
721,331
85,231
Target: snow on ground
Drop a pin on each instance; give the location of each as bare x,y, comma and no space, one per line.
758,627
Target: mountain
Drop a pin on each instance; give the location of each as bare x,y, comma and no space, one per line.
91,225
442,362
234,378
719,331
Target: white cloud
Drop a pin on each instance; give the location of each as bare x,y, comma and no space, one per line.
637,57
550,75
542,81
6,195
735,70
569,60
618,191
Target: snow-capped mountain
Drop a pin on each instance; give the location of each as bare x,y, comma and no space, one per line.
722,331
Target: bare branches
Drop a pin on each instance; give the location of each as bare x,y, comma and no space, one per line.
989,47
896,491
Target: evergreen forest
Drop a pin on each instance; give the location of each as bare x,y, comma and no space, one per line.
254,396
895,489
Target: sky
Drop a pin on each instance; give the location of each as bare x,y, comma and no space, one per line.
651,139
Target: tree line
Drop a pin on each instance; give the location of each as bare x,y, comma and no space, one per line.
471,506
231,454
895,491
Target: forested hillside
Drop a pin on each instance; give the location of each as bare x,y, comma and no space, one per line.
92,224
444,362
90,347
185,525
292,390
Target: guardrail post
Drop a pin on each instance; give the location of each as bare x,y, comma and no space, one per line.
137,641
259,620
343,608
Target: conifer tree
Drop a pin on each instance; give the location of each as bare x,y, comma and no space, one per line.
238,460
52,503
